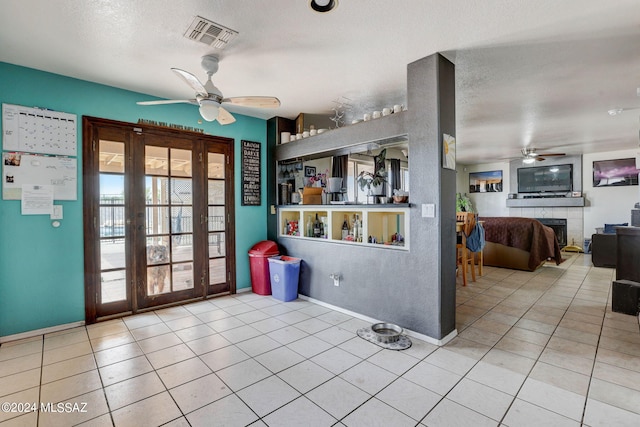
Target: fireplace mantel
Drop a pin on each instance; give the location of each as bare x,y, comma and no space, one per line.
546,202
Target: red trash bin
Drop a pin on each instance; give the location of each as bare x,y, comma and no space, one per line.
259,266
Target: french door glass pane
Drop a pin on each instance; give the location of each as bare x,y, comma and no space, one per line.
156,160
181,193
111,188
217,268
111,156
182,249
157,250
182,276
157,221
158,280
216,192
216,244
113,286
156,190
112,221
215,164
181,220
112,254
180,162
216,218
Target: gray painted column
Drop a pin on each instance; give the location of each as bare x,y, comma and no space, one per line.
431,103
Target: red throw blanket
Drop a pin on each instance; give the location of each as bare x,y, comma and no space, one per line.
527,234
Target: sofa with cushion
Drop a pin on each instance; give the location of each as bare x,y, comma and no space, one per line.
604,246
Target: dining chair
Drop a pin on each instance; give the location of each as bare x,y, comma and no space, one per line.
465,222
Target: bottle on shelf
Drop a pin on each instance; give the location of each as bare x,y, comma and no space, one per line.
317,232
309,227
345,228
359,222
356,229
285,230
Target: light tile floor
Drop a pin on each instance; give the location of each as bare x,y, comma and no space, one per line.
534,349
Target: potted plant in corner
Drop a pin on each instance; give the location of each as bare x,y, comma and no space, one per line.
374,181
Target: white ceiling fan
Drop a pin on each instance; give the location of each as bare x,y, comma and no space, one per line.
210,98
529,155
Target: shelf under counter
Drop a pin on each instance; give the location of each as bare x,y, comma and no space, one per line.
382,222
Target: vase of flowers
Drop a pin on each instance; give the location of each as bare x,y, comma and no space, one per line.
319,180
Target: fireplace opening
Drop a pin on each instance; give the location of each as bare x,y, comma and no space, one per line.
559,226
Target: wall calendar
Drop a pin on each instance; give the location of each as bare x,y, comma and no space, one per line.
37,130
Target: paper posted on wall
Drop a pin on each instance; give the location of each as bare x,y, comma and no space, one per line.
37,199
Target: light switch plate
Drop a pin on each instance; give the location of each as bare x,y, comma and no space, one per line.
428,210
56,212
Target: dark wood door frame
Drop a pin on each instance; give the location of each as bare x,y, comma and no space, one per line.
131,133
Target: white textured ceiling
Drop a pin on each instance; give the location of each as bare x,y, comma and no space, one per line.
537,73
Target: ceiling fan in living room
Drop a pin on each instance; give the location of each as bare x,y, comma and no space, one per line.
529,155
209,98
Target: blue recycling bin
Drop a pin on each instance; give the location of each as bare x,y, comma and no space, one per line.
284,272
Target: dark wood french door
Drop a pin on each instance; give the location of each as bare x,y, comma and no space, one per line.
158,211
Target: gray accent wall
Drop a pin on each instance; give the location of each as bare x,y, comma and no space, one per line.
414,289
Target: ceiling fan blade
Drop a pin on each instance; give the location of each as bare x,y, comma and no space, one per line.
539,158
192,81
254,101
225,117
552,154
168,101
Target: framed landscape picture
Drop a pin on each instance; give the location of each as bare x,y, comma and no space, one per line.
485,182
614,173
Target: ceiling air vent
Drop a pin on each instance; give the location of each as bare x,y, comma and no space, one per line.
204,31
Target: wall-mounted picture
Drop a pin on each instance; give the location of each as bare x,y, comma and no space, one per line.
448,151
485,182
309,171
614,173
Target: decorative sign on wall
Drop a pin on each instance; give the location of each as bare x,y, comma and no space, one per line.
251,185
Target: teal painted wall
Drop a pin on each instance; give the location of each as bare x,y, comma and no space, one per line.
41,267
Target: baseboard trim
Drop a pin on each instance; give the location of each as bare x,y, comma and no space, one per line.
43,331
245,289
430,340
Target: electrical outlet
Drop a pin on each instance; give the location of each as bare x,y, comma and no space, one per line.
336,278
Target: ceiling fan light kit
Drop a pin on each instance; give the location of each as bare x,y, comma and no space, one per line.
209,110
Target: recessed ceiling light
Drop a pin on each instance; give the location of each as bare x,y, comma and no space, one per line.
323,6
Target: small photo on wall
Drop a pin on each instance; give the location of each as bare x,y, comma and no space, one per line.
485,182
448,151
309,171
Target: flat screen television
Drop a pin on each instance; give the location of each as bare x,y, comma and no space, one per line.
546,179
